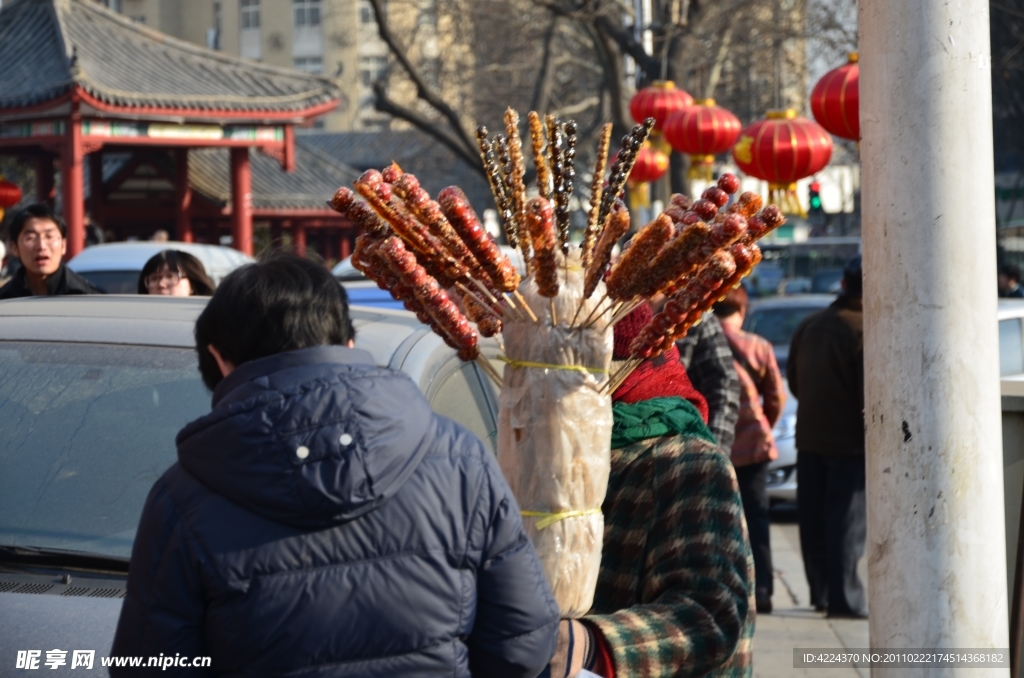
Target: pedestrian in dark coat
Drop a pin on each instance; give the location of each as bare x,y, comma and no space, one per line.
38,237
322,520
825,371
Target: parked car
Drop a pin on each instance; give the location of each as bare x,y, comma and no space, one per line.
115,267
93,391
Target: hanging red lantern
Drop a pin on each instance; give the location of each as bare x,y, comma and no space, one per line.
659,101
651,165
10,195
781,150
835,101
703,130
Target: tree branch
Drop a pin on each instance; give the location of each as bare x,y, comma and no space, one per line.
542,88
386,105
423,91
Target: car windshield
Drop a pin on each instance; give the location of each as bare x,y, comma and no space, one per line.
114,282
777,324
86,430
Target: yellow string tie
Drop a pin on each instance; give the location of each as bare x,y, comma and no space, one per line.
549,519
548,366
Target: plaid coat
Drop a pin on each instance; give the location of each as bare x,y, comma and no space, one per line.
675,594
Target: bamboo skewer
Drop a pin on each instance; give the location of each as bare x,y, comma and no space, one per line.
554,316
488,307
494,300
526,306
586,323
489,370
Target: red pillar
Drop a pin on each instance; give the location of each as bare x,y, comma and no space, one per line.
346,244
299,237
241,201
72,183
96,188
183,196
44,178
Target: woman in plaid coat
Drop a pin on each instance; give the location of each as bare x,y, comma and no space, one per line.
675,594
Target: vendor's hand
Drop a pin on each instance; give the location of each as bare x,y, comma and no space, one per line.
574,645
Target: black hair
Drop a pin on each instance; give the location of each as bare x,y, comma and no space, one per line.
282,303
853,278
35,211
185,264
1010,271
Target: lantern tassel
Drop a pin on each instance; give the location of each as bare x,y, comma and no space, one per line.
784,195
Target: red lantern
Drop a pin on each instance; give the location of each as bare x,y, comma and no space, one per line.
781,150
10,195
835,101
658,101
703,130
651,164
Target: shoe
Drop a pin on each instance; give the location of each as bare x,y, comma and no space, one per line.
763,600
821,608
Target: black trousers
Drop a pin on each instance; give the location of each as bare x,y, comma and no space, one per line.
753,481
832,511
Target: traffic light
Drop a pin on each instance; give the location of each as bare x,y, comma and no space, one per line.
814,196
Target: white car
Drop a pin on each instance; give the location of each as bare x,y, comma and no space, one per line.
115,267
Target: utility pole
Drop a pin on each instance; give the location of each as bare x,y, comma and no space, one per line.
936,546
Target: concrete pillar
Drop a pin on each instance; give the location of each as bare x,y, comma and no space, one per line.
183,196
72,179
936,543
241,201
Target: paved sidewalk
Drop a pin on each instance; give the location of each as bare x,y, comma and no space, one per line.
793,623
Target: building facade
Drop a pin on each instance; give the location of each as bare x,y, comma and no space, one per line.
334,38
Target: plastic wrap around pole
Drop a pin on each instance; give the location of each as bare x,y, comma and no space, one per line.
936,542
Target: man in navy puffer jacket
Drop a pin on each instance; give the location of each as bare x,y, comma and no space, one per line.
322,520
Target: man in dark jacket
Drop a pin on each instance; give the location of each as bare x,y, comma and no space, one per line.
826,374
38,237
322,520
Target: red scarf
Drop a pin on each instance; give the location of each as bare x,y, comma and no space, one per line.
660,377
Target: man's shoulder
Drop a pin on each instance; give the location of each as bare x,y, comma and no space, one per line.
76,284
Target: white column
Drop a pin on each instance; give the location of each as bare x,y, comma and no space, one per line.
936,549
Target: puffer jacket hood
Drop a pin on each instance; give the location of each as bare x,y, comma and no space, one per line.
309,438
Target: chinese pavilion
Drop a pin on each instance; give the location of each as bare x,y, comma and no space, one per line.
79,81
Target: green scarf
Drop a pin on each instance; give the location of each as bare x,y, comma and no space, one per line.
655,418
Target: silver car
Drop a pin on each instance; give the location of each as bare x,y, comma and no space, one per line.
93,391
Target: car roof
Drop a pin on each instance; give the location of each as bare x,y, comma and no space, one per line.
1011,308
169,321
132,256
793,301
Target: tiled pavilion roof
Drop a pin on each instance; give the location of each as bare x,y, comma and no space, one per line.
49,46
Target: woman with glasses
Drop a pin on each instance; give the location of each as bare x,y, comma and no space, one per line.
175,273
